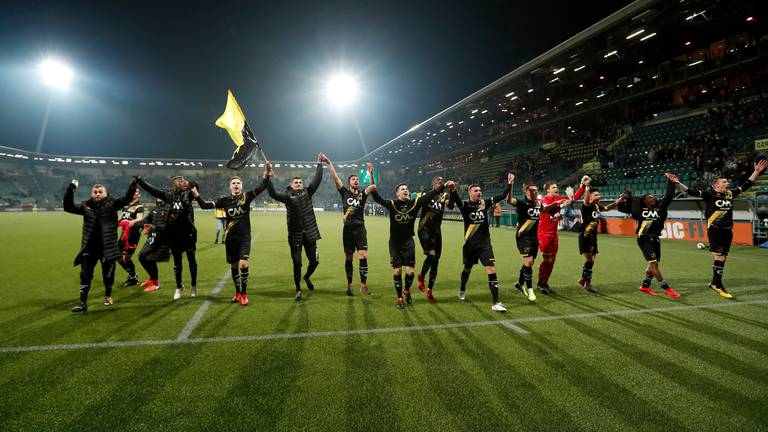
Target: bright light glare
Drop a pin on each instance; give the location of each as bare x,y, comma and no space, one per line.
341,89
55,74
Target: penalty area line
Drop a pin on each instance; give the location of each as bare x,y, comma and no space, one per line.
512,324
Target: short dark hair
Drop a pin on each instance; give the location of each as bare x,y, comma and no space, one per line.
235,178
473,185
398,186
99,185
549,184
591,191
528,186
716,179
295,178
178,177
350,177
434,179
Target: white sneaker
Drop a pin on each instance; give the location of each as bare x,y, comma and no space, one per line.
498,307
531,294
462,295
193,292
177,294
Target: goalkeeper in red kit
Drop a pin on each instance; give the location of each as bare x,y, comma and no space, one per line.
552,204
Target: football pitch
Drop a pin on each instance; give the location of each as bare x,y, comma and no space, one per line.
617,360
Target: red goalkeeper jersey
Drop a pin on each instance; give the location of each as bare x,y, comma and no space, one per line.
551,213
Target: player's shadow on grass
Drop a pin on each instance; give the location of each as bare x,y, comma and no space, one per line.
266,378
57,379
367,376
673,370
597,386
492,370
131,393
717,312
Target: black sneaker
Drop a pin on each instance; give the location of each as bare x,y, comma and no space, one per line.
298,296
82,307
520,288
545,289
310,286
408,298
350,293
131,281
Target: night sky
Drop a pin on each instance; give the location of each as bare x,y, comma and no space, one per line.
150,79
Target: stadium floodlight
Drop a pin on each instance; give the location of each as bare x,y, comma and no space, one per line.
509,94
614,52
579,68
55,74
696,62
342,89
557,71
639,32
646,37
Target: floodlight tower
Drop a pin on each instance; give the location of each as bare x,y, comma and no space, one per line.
57,75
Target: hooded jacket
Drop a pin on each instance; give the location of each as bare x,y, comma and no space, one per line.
102,213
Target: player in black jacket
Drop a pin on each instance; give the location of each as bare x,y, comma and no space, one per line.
354,235
302,225
650,214
99,241
402,251
237,237
431,237
477,236
719,214
181,233
590,218
130,235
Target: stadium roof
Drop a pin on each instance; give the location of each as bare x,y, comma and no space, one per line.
635,49
9,154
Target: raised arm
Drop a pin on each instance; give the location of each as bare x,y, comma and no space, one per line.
671,187
585,182
202,203
155,192
455,197
315,183
127,198
510,199
260,187
614,204
503,196
334,174
277,196
759,168
69,200
376,197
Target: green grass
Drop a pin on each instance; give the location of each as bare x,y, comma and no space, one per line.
697,369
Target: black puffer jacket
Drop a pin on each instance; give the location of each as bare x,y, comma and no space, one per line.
105,212
301,214
180,221
156,246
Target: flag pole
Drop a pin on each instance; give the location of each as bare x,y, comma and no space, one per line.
258,146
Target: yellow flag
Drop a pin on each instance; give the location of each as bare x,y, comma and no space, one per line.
232,120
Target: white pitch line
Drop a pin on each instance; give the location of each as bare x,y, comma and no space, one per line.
514,327
512,324
195,320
